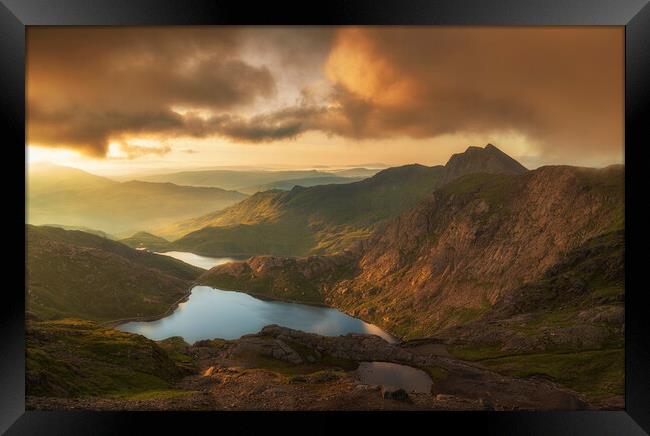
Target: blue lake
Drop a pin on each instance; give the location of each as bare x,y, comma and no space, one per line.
212,313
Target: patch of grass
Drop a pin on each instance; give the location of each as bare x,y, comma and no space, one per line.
481,352
320,376
326,362
178,350
214,343
71,358
595,373
164,394
436,373
608,292
461,315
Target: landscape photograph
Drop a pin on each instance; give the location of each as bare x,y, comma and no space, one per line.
358,218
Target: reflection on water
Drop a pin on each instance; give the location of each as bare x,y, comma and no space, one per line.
392,374
196,260
213,313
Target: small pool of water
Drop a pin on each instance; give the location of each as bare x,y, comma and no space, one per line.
197,260
212,313
392,374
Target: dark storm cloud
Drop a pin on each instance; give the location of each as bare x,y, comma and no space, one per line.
86,86
561,87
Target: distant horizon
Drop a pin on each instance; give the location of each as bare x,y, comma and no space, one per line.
122,172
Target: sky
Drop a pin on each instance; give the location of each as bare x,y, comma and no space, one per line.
117,100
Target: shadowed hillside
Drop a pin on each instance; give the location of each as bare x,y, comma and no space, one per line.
76,274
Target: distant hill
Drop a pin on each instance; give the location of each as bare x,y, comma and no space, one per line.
77,274
71,197
233,179
357,172
83,229
144,240
43,178
326,218
287,185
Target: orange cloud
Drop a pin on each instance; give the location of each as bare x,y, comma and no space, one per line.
562,88
355,63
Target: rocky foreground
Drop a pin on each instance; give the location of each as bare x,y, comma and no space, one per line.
282,369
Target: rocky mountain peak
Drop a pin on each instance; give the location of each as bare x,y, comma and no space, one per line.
481,160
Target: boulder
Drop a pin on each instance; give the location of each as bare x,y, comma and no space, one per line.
393,393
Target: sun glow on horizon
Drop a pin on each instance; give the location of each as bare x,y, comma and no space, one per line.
58,156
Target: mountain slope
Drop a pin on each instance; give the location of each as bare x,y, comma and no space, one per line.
305,220
76,274
68,196
77,358
327,218
52,178
468,245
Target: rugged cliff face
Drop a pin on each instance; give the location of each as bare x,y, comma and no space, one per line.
474,241
291,279
452,257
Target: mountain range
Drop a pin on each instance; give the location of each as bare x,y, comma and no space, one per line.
326,218
251,181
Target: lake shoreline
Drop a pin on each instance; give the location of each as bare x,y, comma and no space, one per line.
147,318
220,314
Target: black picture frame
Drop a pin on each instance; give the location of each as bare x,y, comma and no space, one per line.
15,15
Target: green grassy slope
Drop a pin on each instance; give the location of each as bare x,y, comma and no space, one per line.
76,274
75,358
316,219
